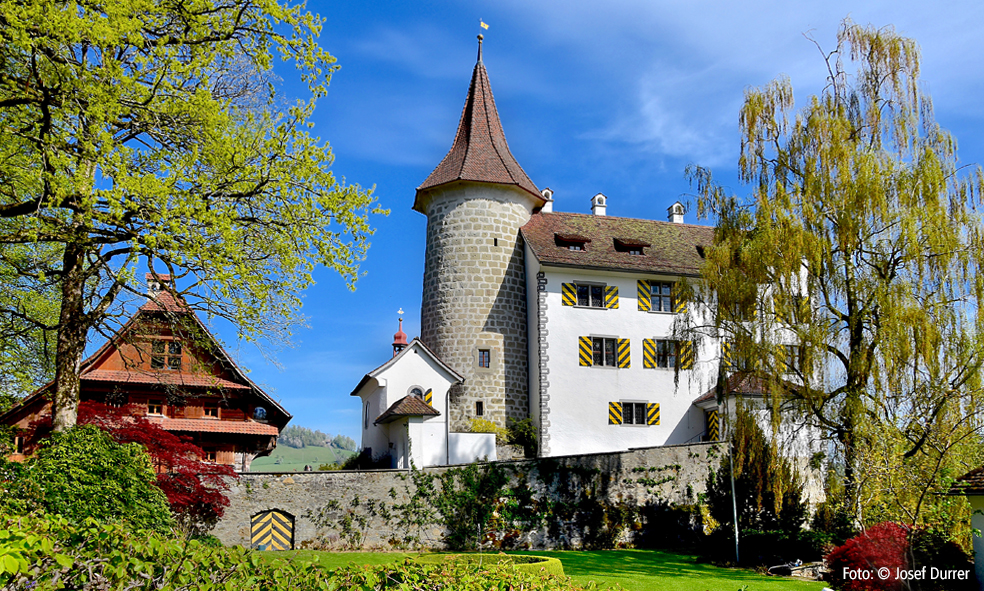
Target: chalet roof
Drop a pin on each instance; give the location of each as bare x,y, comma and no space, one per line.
668,248
408,406
745,384
162,302
479,152
416,342
215,426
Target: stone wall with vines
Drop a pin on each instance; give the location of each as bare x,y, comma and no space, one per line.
588,501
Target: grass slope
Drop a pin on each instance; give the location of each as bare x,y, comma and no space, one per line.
294,459
634,570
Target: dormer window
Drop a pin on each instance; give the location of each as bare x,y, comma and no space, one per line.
571,241
633,247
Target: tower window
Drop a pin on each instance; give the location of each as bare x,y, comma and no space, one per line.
495,242
484,358
479,408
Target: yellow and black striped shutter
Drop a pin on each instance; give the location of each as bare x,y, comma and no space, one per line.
623,353
679,303
652,413
272,530
713,426
614,413
649,353
429,396
584,351
611,297
568,294
686,354
643,296
726,354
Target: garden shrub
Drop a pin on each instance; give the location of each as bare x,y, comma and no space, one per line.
48,553
895,546
669,526
486,426
523,433
83,472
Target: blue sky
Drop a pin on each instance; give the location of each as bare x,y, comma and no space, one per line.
593,97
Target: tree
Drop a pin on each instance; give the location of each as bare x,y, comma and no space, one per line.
854,265
149,134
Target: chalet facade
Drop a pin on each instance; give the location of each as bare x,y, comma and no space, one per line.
165,366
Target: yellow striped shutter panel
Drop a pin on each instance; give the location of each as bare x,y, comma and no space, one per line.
643,297
652,413
584,351
649,353
429,396
614,413
611,297
568,293
713,426
272,530
726,354
679,304
623,353
686,355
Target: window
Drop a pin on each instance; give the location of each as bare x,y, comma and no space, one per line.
660,296
165,355
155,407
259,413
211,411
591,295
495,242
793,357
575,246
366,420
666,354
479,408
417,392
211,456
603,351
633,413
633,247
18,445
484,358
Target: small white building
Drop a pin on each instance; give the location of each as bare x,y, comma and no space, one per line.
405,408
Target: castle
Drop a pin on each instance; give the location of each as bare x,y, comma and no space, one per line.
563,318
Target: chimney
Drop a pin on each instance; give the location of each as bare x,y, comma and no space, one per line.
598,204
548,198
400,338
675,213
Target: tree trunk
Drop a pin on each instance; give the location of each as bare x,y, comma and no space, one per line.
71,341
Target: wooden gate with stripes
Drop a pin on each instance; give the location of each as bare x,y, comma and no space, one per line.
272,530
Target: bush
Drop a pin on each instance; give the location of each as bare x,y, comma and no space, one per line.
45,553
895,546
484,426
83,473
670,527
523,432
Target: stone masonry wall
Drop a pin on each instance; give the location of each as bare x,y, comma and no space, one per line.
474,297
321,501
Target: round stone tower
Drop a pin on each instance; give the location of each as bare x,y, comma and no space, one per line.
473,313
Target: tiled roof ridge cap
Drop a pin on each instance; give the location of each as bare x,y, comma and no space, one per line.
616,217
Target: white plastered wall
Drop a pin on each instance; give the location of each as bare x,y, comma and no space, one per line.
579,396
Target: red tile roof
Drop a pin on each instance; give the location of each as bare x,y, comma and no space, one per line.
215,426
479,152
743,384
169,378
672,250
163,301
408,406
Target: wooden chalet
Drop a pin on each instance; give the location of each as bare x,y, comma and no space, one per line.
165,365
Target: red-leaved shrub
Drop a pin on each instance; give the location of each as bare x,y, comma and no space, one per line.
855,565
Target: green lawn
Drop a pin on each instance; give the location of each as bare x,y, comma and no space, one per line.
294,459
635,570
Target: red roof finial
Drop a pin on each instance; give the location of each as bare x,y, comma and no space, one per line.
400,338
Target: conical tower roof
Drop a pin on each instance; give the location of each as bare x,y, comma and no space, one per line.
479,152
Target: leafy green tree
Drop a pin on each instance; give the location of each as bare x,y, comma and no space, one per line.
343,442
853,267
148,134
83,472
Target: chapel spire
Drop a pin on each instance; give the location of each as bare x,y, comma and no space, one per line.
479,152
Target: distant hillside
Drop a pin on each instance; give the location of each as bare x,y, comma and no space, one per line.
290,459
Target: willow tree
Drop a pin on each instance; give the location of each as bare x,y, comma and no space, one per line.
148,135
853,267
